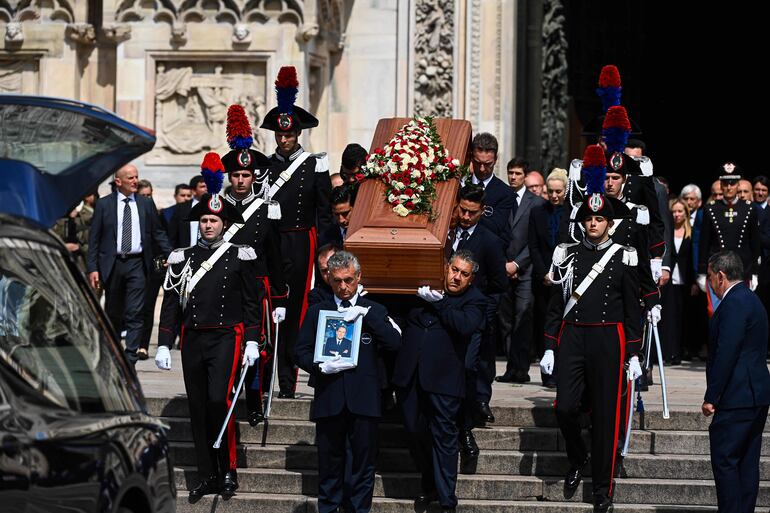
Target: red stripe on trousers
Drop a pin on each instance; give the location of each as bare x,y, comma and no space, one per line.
238,328
313,242
622,340
181,337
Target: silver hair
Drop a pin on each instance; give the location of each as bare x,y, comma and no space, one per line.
343,260
466,256
691,188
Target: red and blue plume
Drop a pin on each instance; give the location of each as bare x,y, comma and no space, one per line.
286,86
213,172
616,128
609,89
594,169
239,134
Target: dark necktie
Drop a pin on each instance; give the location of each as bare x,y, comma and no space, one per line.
463,240
481,184
345,303
125,242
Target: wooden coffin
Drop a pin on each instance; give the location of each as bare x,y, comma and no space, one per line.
399,254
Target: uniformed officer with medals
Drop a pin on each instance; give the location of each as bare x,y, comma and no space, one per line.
729,223
302,187
593,326
248,170
211,291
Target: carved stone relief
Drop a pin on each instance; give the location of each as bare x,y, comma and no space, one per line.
191,101
434,57
19,76
553,110
13,14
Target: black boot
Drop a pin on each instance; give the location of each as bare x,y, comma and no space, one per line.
485,413
602,504
207,486
573,478
468,443
229,484
256,415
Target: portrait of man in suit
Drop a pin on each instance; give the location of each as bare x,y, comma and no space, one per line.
337,344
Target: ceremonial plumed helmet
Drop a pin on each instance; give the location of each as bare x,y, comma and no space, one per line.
609,90
212,170
596,203
615,131
286,116
240,138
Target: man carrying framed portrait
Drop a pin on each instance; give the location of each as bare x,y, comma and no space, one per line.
347,404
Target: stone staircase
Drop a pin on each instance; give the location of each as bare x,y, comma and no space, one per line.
520,468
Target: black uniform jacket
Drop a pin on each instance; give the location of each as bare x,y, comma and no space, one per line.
435,341
262,234
356,389
640,190
225,297
612,298
741,235
490,254
499,201
306,198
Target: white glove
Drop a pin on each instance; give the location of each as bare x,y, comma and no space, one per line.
354,312
163,358
754,281
361,291
251,354
634,369
279,314
701,282
656,267
653,314
546,362
334,365
429,295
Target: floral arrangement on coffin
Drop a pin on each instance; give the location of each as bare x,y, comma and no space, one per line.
411,165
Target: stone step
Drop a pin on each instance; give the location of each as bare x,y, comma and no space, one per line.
516,416
494,463
401,485
273,503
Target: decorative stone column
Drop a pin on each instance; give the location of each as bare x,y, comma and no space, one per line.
555,103
434,57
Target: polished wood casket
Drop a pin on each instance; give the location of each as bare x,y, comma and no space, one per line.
399,254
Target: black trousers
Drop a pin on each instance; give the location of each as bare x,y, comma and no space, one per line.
485,375
735,438
516,325
125,291
671,326
211,366
431,420
590,368
257,374
154,282
298,249
342,440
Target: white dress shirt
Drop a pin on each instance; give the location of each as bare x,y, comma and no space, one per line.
194,232
476,181
519,195
459,233
352,300
136,235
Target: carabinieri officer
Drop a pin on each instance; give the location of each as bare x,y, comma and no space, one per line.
593,321
211,290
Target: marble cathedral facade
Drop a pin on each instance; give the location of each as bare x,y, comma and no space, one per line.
175,65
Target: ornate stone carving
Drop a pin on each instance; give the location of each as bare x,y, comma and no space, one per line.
14,32
553,108
331,20
81,33
178,33
10,76
241,33
191,101
43,10
434,58
307,32
116,33
475,62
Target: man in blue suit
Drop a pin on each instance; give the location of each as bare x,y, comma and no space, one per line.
430,374
338,345
348,402
737,384
124,229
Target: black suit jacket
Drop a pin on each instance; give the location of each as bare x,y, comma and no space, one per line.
736,373
436,340
102,241
540,245
356,389
178,227
683,258
488,250
499,202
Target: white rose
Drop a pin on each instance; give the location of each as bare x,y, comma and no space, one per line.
456,162
415,174
415,200
391,198
401,210
398,185
403,197
421,188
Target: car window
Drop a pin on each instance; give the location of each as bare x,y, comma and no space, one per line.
54,140
51,338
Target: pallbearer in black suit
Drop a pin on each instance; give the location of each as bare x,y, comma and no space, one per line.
342,202
248,170
321,291
738,385
211,291
593,322
302,188
430,373
729,224
347,402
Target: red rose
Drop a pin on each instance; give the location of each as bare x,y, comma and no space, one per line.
360,177
408,192
409,205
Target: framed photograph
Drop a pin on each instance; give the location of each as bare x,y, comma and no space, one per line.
335,337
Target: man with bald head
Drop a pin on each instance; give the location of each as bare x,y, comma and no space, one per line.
124,229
